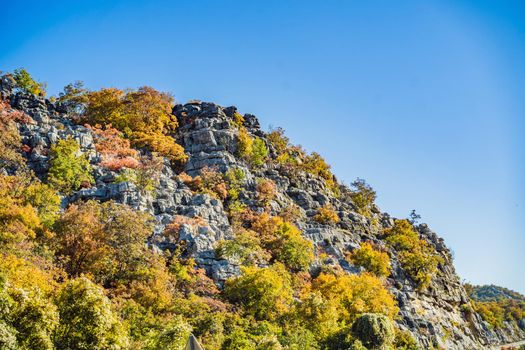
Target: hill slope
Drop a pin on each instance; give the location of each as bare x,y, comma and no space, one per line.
244,203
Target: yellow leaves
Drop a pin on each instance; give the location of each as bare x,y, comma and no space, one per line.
374,261
26,275
326,215
417,257
264,293
143,115
356,294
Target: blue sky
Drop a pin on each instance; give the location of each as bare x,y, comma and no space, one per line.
423,99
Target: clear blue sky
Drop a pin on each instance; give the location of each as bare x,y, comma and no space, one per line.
424,99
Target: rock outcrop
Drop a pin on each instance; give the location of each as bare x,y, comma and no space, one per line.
436,317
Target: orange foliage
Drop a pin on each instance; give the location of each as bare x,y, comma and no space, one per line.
116,151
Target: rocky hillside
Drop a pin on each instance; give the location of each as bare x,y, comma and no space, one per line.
213,207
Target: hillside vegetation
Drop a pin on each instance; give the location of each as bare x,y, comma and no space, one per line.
129,222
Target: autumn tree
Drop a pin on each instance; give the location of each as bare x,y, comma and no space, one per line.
143,115
264,293
418,258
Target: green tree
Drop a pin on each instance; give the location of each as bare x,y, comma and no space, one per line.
87,320
375,331
363,197
69,168
25,82
74,97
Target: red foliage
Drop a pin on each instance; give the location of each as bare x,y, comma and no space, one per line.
116,151
7,114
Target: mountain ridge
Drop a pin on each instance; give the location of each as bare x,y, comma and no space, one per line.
277,178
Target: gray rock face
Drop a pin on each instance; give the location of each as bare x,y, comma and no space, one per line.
209,136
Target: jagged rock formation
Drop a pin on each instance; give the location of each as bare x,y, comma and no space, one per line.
436,317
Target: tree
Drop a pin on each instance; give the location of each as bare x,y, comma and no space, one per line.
26,83
264,293
363,196
87,320
356,294
74,97
417,257
143,116
375,331
69,168
108,241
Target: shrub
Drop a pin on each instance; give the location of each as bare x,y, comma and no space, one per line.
355,294
259,152
211,182
264,293
420,264
363,197
116,151
234,178
69,169
244,249
20,221
405,341
416,256
251,149
374,261
266,191
107,241
292,249
145,176
278,140
10,140
326,215
26,83
375,331
87,320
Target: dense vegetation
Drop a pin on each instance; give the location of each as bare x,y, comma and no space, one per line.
83,277
497,305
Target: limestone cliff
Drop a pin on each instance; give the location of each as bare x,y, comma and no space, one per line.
438,317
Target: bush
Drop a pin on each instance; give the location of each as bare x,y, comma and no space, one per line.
375,331
69,169
372,260
421,264
20,220
26,83
353,295
292,249
244,249
264,293
253,150
363,197
116,152
10,140
145,176
87,320
74,97
416,256
405,341
266,191
326,215
107,241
